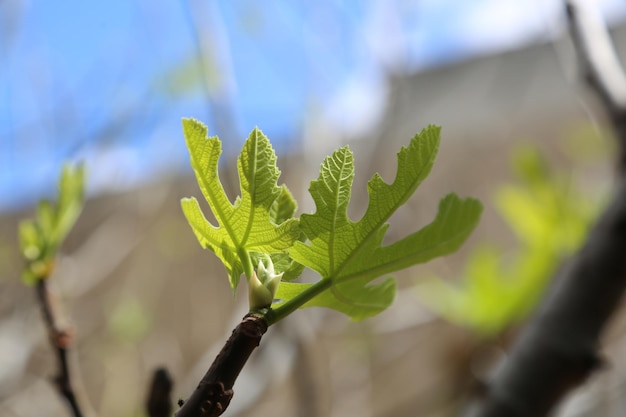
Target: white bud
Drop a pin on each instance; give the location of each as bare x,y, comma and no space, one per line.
263,285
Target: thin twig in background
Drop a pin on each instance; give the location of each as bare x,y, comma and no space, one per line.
159,403
559,348
60,339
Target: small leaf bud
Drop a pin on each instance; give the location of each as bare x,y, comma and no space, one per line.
262,285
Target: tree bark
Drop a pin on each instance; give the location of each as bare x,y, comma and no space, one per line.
215,390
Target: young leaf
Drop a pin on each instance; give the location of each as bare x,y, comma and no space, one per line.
70,203
282,264
41,237
346,252
284,207
248,224
30,240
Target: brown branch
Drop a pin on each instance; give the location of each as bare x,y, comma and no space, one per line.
159,402
215,390
559,348
60,340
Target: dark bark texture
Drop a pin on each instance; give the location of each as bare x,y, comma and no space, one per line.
159,403
215,390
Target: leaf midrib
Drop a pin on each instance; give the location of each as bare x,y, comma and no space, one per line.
252,191
331,240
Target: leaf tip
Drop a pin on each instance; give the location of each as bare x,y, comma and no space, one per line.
190,123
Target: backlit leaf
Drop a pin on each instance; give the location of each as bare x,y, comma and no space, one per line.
350,254
247,225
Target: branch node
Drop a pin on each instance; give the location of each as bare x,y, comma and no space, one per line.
219,398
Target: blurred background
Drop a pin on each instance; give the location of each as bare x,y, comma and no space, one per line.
107,84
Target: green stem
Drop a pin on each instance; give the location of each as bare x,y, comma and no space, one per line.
246,261
279,313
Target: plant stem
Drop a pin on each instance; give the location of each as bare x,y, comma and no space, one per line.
60,340
246,262
215,390
279,313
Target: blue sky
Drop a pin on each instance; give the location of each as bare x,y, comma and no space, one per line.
108,82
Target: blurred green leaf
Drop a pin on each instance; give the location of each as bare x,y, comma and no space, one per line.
520,208
550,219
47,223
30,240
129,320
189,76
41,237
71,190
529,165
